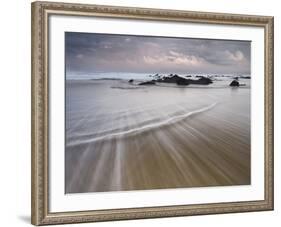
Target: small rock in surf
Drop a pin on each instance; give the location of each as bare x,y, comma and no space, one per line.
147,83
234,83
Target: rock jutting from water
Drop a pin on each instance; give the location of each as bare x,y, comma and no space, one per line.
147,83
174,78
234,83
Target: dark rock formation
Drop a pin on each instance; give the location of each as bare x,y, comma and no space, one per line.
147,83
203,81
245,77
174,78
170,79
182,81
234,83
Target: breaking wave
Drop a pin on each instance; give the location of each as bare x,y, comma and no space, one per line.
144,128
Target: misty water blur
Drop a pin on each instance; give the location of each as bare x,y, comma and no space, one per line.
122,136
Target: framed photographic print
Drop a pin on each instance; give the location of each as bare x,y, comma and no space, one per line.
145,113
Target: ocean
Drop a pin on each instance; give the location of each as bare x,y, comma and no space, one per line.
124,136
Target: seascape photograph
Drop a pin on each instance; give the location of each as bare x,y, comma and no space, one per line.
149,112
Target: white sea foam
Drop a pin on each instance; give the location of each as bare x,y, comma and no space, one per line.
147,127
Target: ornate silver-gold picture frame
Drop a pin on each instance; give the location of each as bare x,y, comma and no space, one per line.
136,112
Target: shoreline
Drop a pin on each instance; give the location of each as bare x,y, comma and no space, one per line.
209,148
141,83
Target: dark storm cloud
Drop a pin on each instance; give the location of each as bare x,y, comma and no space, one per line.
89,53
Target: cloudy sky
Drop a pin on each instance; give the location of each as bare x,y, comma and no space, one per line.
90,53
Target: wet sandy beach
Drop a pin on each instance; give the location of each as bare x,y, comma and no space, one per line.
207,144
